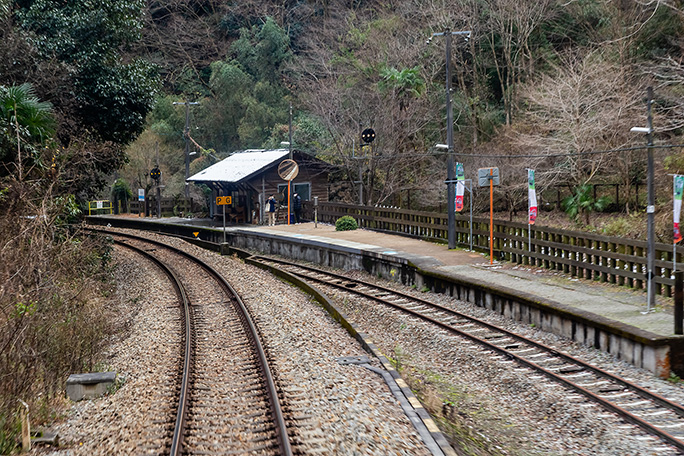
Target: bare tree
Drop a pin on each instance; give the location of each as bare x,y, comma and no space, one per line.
507,36
586,105
668,74
371,78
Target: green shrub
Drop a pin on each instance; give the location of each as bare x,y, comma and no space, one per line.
620,226
10,433
346,223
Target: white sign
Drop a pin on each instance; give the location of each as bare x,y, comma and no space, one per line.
460,187
531,196
98,204
141,194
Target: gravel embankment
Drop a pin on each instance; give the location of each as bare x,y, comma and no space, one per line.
143,356
488,406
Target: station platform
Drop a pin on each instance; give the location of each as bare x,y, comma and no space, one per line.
614,302
606,316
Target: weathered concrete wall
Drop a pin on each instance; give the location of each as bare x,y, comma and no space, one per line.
658,354
637,347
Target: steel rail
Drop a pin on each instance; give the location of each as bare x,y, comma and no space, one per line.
181,411
282,436
646,394
628,416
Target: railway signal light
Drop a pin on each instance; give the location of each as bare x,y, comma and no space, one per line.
368,135
155,174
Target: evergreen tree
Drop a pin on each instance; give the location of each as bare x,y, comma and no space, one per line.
88,38
25,124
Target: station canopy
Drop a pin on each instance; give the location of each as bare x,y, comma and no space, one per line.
240,166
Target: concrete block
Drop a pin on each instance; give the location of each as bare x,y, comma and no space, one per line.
45,438
614,346
638,355
566,328
650,359
88,386
590,336
662,366
626,350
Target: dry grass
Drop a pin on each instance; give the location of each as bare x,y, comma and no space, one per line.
53,313
631,226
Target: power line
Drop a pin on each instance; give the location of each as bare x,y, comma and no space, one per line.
186,134
568,154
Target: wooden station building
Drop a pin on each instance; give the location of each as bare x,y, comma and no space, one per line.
249,177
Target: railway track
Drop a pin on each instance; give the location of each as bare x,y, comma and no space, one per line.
650,412
223,399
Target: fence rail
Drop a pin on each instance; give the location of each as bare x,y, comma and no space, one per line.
169,206
585,255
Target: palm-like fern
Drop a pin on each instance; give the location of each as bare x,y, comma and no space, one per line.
583,202
25,122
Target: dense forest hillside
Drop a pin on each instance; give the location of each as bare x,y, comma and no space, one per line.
538,84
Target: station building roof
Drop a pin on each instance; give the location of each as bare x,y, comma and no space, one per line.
240,165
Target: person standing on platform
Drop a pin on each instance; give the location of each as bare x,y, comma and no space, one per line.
270,209
297,201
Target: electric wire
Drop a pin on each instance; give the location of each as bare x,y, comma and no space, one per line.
567,154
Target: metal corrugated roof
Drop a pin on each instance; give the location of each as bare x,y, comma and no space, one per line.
240,165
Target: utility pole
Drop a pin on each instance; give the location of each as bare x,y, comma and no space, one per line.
361,159
289,130
159,214
650,208
186,136
289,182
451,178
451,187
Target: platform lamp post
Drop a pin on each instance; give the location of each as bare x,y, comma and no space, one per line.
288,143
451,188
650,208
289,133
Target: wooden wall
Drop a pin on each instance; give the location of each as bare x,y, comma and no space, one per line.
311,171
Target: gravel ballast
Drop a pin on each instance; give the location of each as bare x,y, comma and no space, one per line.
485,404
337,409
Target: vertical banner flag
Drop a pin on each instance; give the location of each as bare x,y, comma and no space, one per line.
678,190
460,186
532,196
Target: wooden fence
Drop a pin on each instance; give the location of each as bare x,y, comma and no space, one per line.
586,255
169,206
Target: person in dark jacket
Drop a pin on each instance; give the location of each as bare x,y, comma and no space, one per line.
297,203
270,210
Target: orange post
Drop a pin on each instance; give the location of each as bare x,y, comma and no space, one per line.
491,215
